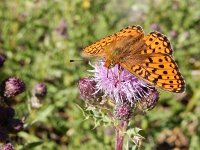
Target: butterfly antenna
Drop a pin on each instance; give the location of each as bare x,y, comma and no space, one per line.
73,60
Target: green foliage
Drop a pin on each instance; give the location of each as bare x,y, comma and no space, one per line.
37,52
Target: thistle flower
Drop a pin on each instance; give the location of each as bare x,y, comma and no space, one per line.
12,87
40,90
7,146
118,84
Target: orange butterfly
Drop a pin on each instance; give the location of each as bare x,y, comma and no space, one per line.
147,57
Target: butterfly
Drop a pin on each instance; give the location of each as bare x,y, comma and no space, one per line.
149,57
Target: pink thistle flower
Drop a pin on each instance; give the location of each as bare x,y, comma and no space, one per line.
119,84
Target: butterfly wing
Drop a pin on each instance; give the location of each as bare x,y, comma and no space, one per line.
156,65
99,48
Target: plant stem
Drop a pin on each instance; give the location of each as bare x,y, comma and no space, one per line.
119,139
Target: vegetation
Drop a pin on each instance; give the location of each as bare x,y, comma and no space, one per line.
39,37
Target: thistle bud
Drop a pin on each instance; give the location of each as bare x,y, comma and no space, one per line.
40,90
150,101
3,136
15,125
173,34
12,87
3,115
2,60
87,89
123,111
155,27
10,112
61,29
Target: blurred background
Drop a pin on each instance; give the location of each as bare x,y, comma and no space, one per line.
39,37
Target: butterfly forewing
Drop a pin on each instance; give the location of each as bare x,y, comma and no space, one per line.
99,48
156,65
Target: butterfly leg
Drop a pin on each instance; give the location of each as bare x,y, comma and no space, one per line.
118,78
119,73
107,72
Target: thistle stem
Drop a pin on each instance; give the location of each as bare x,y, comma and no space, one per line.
119,139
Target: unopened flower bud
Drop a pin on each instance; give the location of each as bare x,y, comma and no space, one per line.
150,101
40,90
3,136
186,34
3,115
12,87
7,146
173,34
2,60
15,125
10,112
122,112
61,29
155,27
87,89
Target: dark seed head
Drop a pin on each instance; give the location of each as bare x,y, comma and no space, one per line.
12,87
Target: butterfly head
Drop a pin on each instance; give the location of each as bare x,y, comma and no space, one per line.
109,63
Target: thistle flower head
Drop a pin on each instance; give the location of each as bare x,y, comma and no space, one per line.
119,84
7,146
12,87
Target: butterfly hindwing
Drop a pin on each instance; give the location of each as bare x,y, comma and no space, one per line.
157,43
163,74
